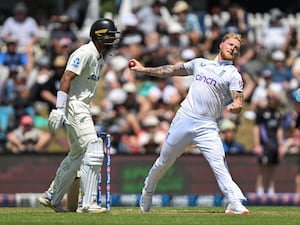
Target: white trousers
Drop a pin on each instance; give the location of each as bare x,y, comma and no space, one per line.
204,132
81,132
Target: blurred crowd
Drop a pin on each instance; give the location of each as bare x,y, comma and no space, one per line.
137,110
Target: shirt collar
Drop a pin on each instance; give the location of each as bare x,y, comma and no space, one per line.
97,54
223,62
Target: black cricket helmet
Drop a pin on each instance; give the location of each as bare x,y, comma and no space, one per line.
104,30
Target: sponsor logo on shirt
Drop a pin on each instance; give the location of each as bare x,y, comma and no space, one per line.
205,79
93,77
76,62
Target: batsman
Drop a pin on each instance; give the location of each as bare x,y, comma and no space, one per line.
77,89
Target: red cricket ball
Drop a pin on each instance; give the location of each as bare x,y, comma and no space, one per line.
131,64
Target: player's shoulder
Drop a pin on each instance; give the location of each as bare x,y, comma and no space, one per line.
200,60
233,69
83,51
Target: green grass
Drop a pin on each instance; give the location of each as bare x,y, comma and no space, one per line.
164,216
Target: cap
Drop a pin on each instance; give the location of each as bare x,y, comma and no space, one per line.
226,124
150,121
130,20
118,63
117,96
20,7
65,42
129,87
11,39
275,13
132,39
26,120
180,6
59,61
188,54
95,110
266,73
175,28
64,18
43,61
278,55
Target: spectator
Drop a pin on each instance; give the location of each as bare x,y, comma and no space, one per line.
237,21
295,68
152,137
153,18
27,138
7,122
119,115
259,96
62,37
131,28
76,10
176,38
95,112
291,48
228,135
14,87
12,57
43,74
118,145
51,86
22,26
118,73
268,142
165,91
131,46
252,60
131,103
211,44
273,36
189,21
281,73
249,84
291,127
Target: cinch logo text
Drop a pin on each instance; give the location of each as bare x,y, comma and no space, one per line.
206,80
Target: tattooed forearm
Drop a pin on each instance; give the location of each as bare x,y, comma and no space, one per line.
166,71
237,95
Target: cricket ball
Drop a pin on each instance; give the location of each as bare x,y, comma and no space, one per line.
131,64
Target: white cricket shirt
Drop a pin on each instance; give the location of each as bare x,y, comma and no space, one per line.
211,86
87,63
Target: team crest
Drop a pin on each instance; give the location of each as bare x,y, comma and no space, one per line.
76,62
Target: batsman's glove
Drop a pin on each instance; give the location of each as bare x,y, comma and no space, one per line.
56,120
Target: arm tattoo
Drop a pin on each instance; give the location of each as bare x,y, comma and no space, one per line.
237,95
166,71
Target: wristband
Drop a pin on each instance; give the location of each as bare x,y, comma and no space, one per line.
61,100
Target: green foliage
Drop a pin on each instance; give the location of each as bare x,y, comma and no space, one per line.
276,215
108,6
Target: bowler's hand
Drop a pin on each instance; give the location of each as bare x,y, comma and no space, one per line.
234,108
56,119
138,67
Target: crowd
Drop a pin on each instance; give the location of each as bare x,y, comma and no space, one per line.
137,110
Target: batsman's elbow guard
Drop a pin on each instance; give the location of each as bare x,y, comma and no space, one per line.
94,154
